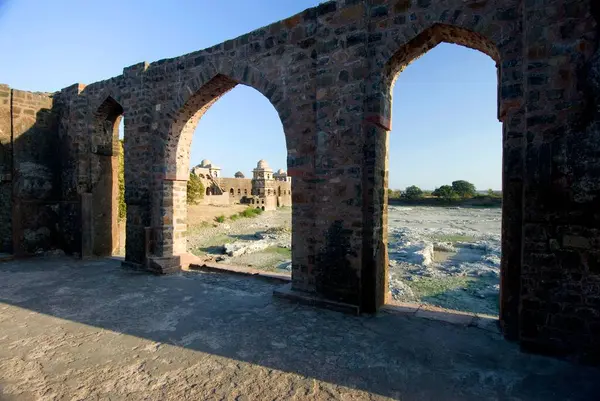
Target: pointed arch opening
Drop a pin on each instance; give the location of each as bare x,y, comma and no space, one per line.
107,185
229,151
389,279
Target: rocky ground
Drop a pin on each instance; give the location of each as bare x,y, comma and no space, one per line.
448,257
262,242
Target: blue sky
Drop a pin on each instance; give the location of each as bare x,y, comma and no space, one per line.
444,116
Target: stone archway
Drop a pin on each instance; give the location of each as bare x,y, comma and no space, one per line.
104,177
508,107
169,208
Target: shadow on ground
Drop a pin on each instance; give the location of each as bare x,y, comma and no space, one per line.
237,318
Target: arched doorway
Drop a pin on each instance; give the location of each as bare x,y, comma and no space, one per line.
105,173
512,175
171,231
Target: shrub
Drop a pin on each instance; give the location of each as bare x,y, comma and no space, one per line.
446,192
195,190
220,219
413,192
464,189
250,212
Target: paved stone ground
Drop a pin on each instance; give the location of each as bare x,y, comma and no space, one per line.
73,330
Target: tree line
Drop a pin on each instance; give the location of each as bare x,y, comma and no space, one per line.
459,190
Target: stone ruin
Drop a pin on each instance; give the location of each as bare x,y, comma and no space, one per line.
329,71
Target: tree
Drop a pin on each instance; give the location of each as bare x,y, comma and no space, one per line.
413,192
446,192
464,189
195,189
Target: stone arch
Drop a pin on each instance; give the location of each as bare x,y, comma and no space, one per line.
194,96
104,189
392,60
231,191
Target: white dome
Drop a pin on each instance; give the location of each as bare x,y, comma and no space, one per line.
262,164
205,163
280,171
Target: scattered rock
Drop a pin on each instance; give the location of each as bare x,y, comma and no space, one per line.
443,247
287,266
239,248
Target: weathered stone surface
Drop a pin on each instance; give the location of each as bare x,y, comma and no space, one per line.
329,72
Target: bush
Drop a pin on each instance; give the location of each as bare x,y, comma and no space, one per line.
464,189
413,192
446,192
250,212
220,219
122,204
195,190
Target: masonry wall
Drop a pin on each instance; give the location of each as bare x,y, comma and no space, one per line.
31,175
242,187
5,170
328,72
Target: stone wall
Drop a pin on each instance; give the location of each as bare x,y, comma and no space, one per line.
5,170
30,173
329,73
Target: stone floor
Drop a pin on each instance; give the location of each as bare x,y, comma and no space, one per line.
91,330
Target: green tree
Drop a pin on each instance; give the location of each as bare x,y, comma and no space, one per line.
122,204
464,189
195,189
413,192
446,192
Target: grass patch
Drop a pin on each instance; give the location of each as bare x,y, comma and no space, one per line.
250,212
212,246
277,250
453,238
456,293
234,217
220,219
430,287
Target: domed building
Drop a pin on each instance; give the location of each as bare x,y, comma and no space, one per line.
265,190
206,168
281,175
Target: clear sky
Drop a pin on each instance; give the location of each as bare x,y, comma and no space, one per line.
444,116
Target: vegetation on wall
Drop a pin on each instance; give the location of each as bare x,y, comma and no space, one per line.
122,204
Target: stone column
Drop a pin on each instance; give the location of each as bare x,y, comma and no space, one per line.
139,162
560,313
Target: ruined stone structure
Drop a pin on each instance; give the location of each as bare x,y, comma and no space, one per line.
266,190
328,72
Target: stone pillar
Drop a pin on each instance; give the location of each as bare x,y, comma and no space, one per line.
139,152
87,225
328,194
560,313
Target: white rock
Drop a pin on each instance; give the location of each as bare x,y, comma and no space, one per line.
243,247
422,254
